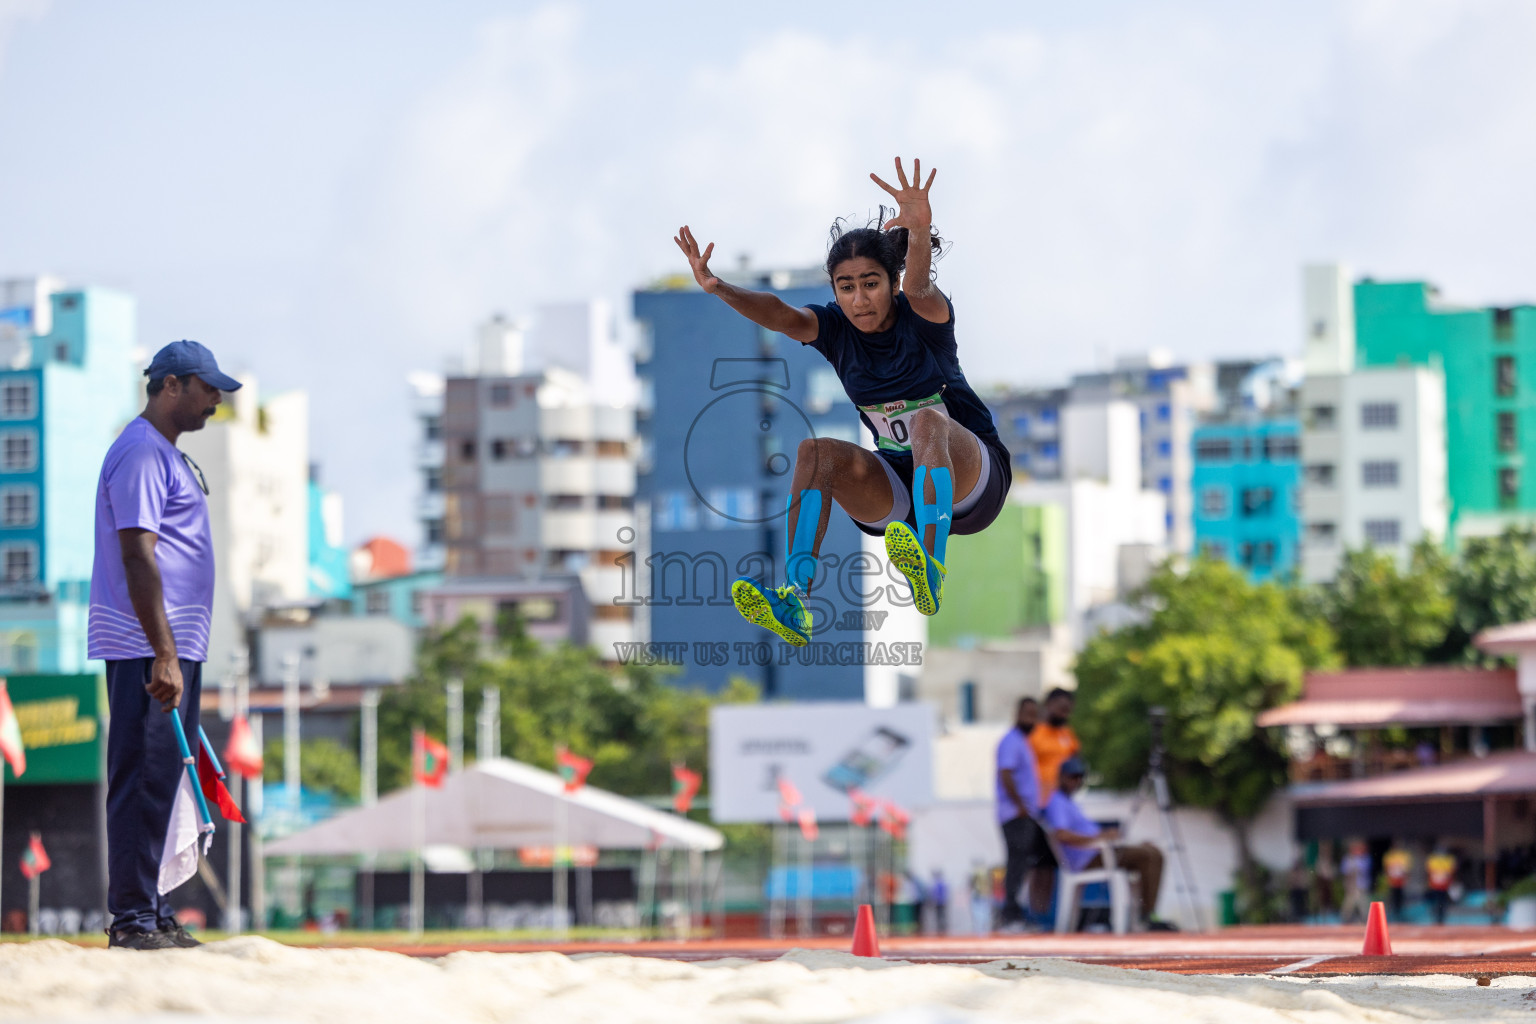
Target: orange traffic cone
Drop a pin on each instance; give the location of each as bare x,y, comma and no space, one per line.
865,941
1376,941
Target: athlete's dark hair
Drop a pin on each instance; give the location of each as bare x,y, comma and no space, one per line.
887,248
155,385
1026,702
1059,692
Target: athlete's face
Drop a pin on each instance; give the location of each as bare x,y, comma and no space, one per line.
866,294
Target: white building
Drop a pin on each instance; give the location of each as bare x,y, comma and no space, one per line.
255,458
1373,439
1115,530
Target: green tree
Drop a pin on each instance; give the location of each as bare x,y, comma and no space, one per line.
1384,616
325,766
1215,650
1494,584
633,723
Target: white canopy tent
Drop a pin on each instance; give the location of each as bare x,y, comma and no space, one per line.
500,804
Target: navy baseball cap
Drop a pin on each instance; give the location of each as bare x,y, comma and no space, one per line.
188,358
1074,767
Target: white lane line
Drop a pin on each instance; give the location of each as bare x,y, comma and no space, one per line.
1299,964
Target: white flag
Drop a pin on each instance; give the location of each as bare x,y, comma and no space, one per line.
178,860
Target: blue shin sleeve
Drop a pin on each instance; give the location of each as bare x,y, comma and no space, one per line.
800,563
939,514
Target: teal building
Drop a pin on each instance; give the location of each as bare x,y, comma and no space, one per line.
1247,493
67,389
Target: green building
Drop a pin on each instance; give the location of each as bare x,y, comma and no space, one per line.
1488,357
989,602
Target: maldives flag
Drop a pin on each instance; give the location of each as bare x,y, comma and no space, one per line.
808,827
214,791
864,807
685,786
34,859
10,735
789,799
241,752
572,768
429,760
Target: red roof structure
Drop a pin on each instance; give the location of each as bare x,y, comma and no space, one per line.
1506,773
380,558
1371,698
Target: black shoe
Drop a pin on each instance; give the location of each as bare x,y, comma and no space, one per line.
180,936
1162,926
140,940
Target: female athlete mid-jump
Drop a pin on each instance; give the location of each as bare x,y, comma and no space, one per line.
939,466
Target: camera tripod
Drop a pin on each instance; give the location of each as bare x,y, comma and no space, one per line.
1155,785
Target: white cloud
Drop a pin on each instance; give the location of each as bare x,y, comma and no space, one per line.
13,13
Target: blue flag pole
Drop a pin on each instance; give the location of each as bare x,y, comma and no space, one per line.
213,758
191,763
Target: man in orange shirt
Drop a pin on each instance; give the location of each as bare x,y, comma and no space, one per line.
1053,739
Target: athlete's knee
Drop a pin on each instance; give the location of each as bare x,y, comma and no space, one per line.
819,453
927,422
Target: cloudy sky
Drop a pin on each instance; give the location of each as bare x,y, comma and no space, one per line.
332,194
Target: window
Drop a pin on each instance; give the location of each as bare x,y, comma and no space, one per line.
467,451
1049,450
501,395
418,602
1048,415
18,399
1258,501
18,451
1322,417
1164,412
1378,416
968,701
565,502
1213,502
1503,325
1213,549
378,601
498,450
826,390
1257,554
1165,448
1504,376
1321,533
1021,424
435,531
19,562
532,609
1213,449
1378,473
1282,448
1509,486
432,428
1383,531
18,506
1320,474
434,480
676,510
1508,441
615,501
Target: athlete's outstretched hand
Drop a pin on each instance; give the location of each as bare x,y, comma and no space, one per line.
914,214
697,260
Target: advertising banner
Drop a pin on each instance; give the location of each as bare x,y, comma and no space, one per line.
61,727
829,755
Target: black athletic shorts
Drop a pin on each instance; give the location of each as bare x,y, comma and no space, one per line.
996,476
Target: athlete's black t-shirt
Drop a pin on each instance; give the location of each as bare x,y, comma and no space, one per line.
892,373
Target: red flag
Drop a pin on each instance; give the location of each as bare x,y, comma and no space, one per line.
34,859
429,760
572,768
241,752
864,807
214,790
894,820
10,735
789,799
808,827
685,785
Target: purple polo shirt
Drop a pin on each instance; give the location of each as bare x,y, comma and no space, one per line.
1016,757
145,483
1062,812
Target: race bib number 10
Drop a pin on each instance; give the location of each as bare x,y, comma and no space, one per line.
893,420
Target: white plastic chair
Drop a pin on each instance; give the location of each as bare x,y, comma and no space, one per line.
1070,885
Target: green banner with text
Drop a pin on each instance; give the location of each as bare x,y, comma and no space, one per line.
61,727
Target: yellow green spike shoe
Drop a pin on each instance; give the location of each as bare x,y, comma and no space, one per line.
779,609
922,570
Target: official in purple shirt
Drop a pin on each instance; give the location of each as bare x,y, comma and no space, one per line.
151,604
1082,840
1018,804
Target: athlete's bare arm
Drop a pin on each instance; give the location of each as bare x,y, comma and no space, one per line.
762,308
916,216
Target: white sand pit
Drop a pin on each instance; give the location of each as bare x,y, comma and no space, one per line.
253,979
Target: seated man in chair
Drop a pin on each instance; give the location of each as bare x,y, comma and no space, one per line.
1080,838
